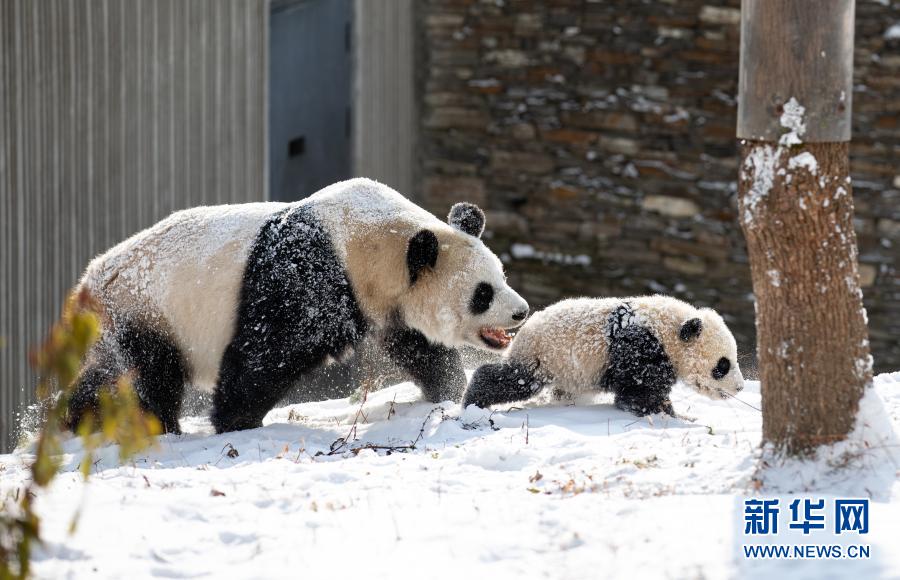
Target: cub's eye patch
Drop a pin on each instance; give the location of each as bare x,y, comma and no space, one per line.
690,329
481,299
722,368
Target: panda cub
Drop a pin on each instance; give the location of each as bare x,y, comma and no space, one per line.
243,300
635,348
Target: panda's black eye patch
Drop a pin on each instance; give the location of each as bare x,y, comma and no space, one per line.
722,368
482,298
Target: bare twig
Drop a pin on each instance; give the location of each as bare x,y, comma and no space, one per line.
391,410
231,453
340,445
726,393
341,442
491,421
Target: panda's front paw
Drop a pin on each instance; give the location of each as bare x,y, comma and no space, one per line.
631,407
667,408
642,407
470,397
453,392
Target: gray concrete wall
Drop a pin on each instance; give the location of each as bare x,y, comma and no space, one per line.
113,114
385,120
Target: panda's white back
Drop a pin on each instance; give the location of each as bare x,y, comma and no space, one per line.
361,207
183,276
569,339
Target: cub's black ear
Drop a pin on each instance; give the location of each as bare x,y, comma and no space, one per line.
421,253
690,329
467,217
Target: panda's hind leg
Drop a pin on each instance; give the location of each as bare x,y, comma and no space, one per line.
160,372
101,369
155,362
503,382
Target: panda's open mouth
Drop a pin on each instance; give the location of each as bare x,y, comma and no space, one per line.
495,337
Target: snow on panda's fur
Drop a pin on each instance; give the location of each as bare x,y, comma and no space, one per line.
242,300
634,347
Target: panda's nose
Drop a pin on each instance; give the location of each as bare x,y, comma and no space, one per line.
520,315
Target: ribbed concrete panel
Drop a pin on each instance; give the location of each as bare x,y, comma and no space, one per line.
113,114
385,119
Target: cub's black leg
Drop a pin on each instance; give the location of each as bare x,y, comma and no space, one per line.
639,372
159,372
503,382
436,369
641,406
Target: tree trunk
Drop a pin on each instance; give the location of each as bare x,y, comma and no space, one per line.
796,210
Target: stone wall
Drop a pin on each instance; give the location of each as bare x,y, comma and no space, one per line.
600,138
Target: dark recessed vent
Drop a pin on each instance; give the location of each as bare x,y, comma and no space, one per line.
296,146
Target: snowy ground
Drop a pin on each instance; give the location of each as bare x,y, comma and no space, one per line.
560,491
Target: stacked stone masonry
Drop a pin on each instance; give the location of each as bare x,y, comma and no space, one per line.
600,138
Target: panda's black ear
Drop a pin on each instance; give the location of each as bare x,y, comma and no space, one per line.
467,217
421,253
690,329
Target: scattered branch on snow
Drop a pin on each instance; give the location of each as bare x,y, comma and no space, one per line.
391,410
741,401
341,444
231,453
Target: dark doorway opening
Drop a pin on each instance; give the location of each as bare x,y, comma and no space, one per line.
310,68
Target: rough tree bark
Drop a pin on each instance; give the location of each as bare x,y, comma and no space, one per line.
796,211
812,340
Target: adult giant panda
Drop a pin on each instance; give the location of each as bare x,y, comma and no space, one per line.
242,300
635,348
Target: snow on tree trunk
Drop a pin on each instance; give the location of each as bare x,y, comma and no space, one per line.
796,211
794,117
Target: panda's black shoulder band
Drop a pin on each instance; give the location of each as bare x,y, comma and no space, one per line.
622,317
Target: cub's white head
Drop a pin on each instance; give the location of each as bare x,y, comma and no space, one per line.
705,354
